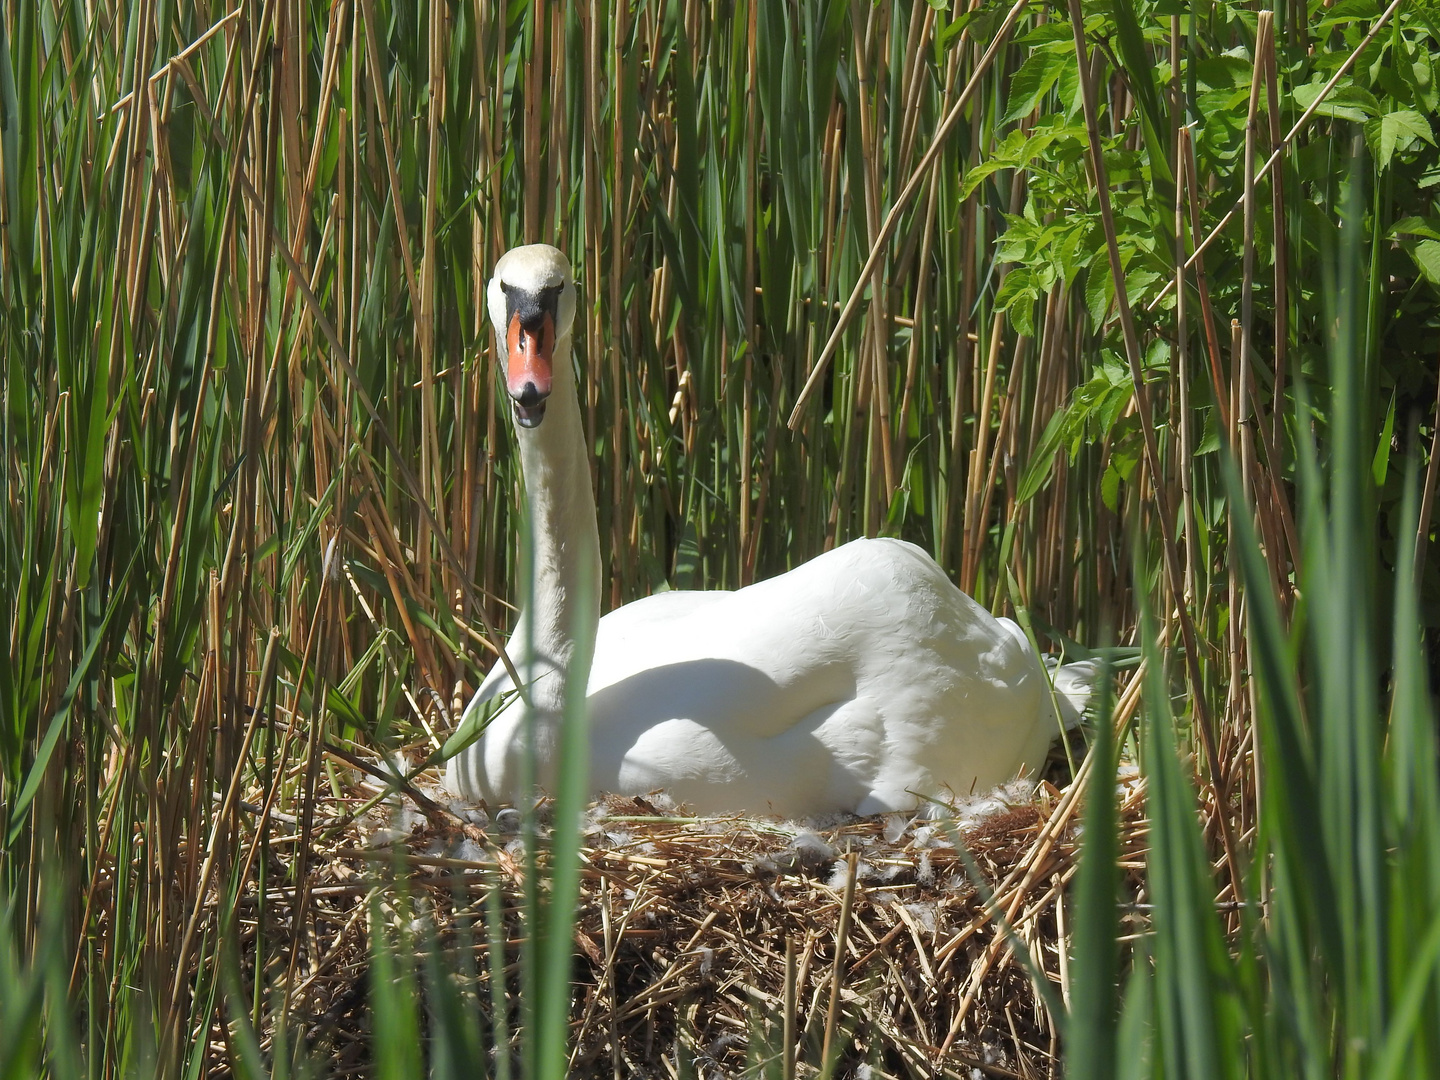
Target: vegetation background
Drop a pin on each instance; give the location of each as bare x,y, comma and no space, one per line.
845,269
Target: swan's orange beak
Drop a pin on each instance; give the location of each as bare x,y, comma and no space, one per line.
529,369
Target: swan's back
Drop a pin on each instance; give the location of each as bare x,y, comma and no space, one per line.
849,683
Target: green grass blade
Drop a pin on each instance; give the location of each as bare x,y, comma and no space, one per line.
1091,1027
1195,1018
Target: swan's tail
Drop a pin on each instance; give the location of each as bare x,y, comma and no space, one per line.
1075,686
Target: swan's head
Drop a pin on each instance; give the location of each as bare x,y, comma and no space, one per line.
532,306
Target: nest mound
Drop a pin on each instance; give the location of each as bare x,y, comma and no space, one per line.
705,946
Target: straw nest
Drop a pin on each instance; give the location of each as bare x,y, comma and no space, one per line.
706,946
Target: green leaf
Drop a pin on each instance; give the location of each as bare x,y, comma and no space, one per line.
476,720
1046,33
1427,257
1091,1028
1017,298
1414,226
1349,10
1346,102
1394,131
1110,487
1192,965
1417,70
981,172
1210,437
1032,81
948,35
1037,469
687,558
1135,1037
1407,1015
1099,291
1380,464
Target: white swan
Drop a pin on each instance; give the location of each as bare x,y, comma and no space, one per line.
852,683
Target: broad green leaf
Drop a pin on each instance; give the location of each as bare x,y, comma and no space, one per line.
1417,70
1032,81
976,176
1415,226
1427,257
1346,102
1394,131
1099,290
1045,33
1017,298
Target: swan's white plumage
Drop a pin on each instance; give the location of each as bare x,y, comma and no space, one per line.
852,683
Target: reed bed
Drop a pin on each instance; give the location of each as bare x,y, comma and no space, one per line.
1013,281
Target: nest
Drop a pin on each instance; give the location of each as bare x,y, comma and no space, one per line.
721,946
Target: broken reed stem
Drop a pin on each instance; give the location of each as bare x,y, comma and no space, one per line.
1152,450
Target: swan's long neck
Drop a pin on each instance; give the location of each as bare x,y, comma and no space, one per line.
564,538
